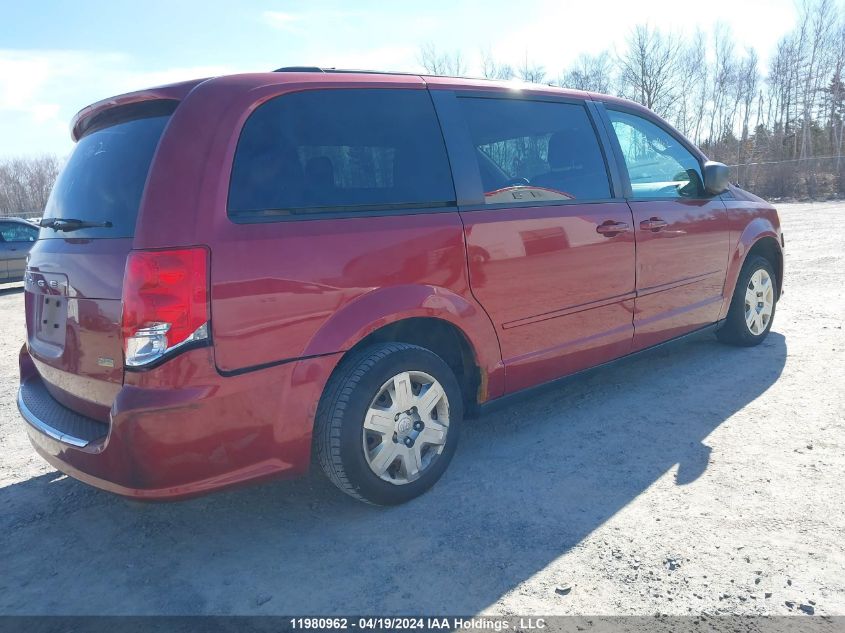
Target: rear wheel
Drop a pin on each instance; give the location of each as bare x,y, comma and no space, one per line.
388,423
752,306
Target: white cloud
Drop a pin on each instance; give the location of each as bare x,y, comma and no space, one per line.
20,80
127,82
280,20
41,90
28,98
295,22
44,112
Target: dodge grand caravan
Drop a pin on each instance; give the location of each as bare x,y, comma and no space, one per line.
239,275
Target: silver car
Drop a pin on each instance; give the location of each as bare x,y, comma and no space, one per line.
16,238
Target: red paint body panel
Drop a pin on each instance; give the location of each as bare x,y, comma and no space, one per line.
536,291
750,220
329,285
180,429
312,270
559,293
680,267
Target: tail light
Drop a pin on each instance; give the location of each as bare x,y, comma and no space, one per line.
165,303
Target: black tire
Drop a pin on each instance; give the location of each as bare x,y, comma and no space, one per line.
734,331
338,427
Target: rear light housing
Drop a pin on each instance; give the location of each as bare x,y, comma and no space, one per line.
165,303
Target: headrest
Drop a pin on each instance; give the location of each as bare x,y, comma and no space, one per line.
564,149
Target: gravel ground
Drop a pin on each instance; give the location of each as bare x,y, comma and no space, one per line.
702,479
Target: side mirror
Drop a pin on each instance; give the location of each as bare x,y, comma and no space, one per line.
716,177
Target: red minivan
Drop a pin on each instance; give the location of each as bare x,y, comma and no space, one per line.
239,275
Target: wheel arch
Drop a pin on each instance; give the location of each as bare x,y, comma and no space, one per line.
769,248
760,237
444,339
454,328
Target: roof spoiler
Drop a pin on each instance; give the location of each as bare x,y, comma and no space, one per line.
94,114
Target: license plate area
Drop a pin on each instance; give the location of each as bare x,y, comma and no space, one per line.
51,313
49,308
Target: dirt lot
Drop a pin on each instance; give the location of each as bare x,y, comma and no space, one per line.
702,479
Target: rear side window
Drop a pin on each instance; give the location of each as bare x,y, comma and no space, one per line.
105,176
535,151
347,151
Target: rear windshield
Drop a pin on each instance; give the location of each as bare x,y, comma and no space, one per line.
104,178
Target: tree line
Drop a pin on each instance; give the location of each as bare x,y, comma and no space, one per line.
780,127
25,184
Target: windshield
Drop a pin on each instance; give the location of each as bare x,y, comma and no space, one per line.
104,178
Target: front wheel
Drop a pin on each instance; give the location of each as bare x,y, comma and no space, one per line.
388,423
752,306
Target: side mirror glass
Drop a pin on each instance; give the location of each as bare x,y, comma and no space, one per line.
716,177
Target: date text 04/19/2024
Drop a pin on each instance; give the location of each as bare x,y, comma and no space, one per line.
418,623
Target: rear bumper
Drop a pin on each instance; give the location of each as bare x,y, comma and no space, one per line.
52,419
182,429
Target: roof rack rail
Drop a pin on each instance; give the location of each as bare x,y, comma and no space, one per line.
299,69
316,69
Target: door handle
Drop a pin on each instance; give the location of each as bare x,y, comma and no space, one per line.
653,224
609,228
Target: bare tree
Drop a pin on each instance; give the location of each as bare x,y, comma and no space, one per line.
835,109
722,84
694,81
491,69
777,131
593,73
25,184
648,69
437,63
819,18
748,79
531,72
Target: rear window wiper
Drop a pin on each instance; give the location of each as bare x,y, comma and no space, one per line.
71,224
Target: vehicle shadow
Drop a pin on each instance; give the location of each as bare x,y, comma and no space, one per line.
10,289
529,482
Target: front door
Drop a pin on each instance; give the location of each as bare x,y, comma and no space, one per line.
682,234
551,251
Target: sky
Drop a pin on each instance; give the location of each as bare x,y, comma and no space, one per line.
57,57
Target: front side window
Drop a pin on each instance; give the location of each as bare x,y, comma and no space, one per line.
535,151
14,232
658,165
340,150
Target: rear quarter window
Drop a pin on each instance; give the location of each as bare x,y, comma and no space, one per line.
342,151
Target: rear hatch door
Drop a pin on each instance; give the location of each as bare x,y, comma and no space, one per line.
74,277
